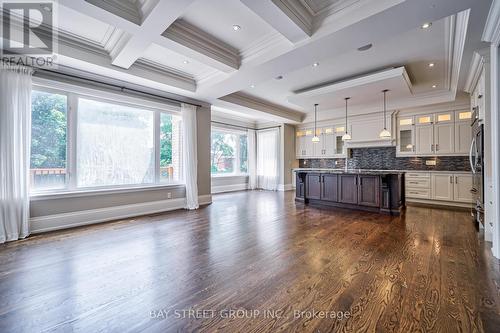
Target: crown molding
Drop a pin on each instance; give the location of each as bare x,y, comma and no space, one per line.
476,67
125,9
330,9
257,104
455,34
298,13
491,31
194,38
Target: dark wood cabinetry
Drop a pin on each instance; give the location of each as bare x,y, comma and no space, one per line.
369,190
364,191
348,189
330,188
313,187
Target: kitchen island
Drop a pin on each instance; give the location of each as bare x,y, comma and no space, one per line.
370,190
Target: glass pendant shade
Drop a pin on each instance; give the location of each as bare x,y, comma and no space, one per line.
315,139
385,134
346,136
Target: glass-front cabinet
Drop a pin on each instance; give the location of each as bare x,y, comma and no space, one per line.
434,134
329,146
406,136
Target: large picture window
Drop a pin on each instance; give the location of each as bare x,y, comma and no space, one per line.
48,140
228,152
80,142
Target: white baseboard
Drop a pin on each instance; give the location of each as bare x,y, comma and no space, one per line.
229,188
440,203
286,187
69,220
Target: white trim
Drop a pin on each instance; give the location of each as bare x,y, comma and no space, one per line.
495,142
80,218
491,31
62,194
476,68
229,188
439,203
285,187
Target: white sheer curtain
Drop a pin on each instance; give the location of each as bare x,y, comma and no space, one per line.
190,155
15,137
268,159
252,159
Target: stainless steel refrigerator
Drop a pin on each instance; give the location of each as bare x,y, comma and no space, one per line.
476,157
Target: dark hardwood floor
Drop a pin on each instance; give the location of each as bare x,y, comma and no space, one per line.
426,271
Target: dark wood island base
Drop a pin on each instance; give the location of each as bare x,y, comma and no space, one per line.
374,191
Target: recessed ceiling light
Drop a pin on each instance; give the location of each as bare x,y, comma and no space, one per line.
431,64
252,86
316,64
434,86
236,27
426,25
185,62
279,77
365,47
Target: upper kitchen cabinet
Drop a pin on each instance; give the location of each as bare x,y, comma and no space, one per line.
330,143
463,133
434,134
406,136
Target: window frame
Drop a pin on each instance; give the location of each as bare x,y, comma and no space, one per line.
73,95
237,165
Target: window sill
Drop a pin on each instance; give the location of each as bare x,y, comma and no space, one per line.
230,175
60,194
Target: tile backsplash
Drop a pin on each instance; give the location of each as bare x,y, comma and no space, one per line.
384,158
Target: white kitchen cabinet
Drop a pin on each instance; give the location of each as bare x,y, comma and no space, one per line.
463,137
424,139
442,187
444,138
442,133
327,142
406,136
329,146
462,187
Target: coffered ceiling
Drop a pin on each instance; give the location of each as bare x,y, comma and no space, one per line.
231,53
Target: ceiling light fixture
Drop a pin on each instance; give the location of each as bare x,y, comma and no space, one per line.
316,64
431,64
185,62
236,27
252,86
426,25
385,134
434,86
346,136
315,138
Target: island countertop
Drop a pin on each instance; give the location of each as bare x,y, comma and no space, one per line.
351,171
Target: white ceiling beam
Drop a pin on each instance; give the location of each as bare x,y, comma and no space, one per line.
160,18
278,19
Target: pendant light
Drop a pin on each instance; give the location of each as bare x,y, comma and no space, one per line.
385,134
315,138
346,136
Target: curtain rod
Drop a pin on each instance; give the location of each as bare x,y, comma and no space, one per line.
121,88
244,127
